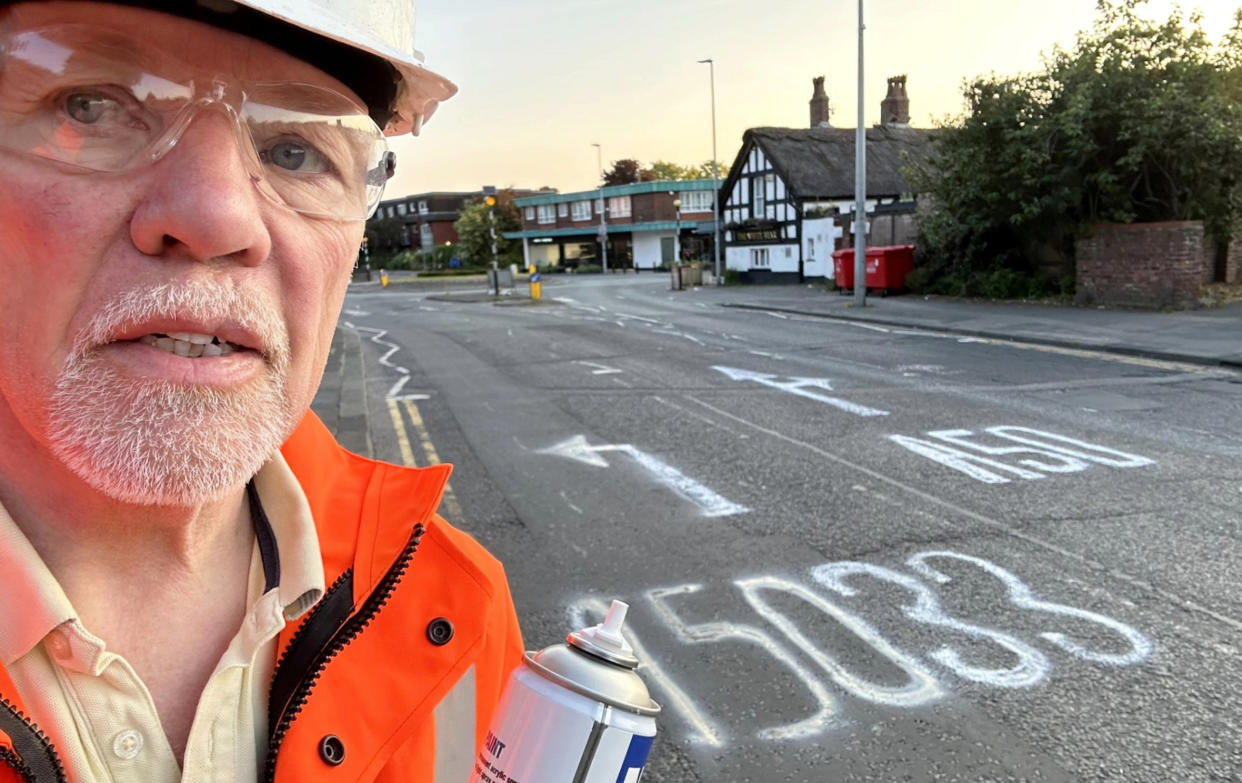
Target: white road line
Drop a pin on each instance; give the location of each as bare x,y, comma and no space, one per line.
798,387
600,369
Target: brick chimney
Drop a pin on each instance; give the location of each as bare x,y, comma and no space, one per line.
895,108
819,104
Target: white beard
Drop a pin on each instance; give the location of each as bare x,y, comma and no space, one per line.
157,443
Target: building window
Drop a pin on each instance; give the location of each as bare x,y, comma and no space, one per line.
759,258
529,213
758,199
562,209
425,237
810,249
619,206
422,207
581,210
546,214
401,208
696,201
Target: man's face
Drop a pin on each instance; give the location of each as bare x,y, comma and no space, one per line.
100,272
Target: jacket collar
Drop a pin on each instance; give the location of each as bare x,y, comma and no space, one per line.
342,487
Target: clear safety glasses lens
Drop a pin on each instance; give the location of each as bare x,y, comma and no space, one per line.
74,95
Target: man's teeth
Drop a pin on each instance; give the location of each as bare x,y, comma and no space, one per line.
189,345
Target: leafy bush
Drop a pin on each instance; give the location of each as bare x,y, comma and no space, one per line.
590,269
1138,121
732,277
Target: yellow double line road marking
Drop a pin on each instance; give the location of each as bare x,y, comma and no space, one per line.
452,509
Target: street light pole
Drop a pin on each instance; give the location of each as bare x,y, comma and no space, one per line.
603,208
491,229
677,236
711,69
860,183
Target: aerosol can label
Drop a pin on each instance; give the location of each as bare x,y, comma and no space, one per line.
547,733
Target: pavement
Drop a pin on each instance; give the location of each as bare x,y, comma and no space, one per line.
341,400
1210,337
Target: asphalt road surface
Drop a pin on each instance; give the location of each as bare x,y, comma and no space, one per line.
852,553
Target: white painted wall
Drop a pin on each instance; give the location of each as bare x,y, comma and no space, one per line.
647,248
783,258
818,263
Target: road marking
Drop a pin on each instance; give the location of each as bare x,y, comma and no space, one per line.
797,386
569,502
1129,579
1068,455
920,687
869,327
451,507
793,613
403,440
707,633
601,369
711,504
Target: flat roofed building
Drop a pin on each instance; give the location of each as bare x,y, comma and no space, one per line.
644,227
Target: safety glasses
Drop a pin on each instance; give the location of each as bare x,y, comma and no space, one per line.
99,101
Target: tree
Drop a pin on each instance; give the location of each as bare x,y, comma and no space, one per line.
704,170
474,231
1135,122
625,172
385,235
663,169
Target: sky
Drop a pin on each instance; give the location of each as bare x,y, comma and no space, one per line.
542,80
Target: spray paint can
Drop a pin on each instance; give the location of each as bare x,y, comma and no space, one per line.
573,713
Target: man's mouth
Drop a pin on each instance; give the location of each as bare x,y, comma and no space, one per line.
190,345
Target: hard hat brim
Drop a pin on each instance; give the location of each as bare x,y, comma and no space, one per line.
419,92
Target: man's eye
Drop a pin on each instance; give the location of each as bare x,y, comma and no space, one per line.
296,156
88,108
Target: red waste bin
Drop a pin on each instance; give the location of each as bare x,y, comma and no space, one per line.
887,267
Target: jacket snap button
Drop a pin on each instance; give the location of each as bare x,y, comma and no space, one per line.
332,750
439,631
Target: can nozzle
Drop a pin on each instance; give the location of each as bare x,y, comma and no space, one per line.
605,640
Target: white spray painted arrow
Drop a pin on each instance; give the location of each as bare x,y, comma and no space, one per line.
799,386
713,505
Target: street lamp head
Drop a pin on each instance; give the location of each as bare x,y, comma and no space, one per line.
708,60
677,203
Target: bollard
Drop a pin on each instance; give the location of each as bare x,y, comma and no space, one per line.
383,278
536,285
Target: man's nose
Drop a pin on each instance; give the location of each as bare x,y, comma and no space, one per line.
200,199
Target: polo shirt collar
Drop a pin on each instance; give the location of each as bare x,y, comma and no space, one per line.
32,602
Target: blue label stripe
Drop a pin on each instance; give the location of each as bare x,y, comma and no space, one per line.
635,757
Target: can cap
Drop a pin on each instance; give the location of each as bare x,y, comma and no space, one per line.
605,640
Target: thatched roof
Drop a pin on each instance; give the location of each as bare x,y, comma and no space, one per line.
819,162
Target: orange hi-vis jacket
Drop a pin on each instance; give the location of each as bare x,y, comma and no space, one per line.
395,673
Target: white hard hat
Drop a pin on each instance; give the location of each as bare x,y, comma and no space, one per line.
381,28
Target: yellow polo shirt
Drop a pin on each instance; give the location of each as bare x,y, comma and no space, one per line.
92,704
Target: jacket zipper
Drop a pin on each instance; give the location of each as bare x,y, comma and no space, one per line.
32,756
328,629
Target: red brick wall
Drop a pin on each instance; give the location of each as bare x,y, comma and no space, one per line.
1153,265
443,231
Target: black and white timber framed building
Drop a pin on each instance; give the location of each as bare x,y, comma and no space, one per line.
789,197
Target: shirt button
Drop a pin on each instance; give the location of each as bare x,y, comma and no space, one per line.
127,744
